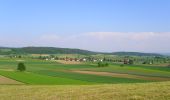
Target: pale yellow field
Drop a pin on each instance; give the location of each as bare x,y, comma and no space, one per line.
141,91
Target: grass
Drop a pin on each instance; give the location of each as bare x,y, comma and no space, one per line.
135,70
140,91
40,71
52,81
32,78
90,78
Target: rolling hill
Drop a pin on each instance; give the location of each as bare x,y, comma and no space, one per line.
54,50
43,50
135,54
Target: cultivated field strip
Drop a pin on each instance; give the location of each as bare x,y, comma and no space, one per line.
43,72
37,79
89,77
123,75
5,80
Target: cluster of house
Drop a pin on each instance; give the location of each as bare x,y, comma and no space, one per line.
87,59
83,59
76,59
126,61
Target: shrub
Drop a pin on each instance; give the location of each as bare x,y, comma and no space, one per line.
106,64
168,66
131,62
122,65
144,62
21,67
100,64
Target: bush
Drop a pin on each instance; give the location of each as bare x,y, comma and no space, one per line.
21,67
100,64
144,62
122,65
106,64
168,66
131,62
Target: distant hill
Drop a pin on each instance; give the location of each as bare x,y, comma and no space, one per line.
44,50
54,50
135,54
165,54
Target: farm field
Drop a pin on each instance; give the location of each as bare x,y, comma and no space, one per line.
55,80
135,91
31,78
4,80
56,73
84,50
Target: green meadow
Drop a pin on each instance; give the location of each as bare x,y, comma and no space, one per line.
52,72
54,80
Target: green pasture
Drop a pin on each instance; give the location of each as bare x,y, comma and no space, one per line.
32,78
89,78
135,70
51,72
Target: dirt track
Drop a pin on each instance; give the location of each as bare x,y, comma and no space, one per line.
124,75
5,80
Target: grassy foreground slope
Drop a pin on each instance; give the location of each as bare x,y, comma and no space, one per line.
135,91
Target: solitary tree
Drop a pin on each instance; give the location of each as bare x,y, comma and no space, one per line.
21,67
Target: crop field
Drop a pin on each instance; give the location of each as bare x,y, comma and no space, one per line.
81,80
5,80
135,91
156,71
31,78
54,72
84,50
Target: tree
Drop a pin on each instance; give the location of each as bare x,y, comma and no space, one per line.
122,65
131,62
19,56
21,67
100,64
106,64
169,65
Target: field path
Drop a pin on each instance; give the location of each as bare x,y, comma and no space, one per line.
123,75
5,80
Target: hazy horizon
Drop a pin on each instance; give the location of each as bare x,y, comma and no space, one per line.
95,25
164,53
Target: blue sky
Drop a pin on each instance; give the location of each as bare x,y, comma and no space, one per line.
98,25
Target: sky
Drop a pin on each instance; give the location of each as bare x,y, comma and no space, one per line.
96,25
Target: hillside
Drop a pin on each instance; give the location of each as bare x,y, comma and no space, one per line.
54,50
135,54
44,50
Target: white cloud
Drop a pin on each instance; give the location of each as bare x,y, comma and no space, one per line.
101,41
